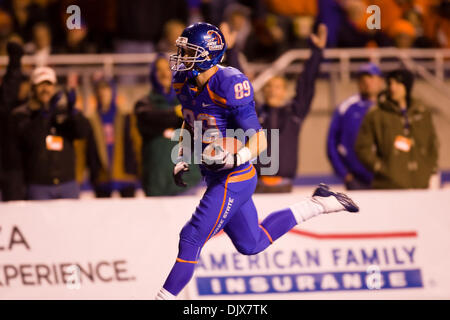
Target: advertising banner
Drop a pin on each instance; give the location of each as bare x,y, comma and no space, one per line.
396,248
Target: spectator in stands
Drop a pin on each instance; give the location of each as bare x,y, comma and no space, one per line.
397,139
6,30
392,11
12,186
45,128
76,41
195,12
302,27
293,7
25,15
403,33
172,30
113,145
41,46
344,129
346,20
443,25
158,114
237,17
301,17
436,22
269,38
141,25
288,116
100,18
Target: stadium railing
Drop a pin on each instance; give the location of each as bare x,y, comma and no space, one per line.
433,65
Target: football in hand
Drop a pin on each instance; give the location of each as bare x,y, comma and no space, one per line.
216,150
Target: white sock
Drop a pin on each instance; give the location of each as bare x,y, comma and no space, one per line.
163,294
329,204
306,209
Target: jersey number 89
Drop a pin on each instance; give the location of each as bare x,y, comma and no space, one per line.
242,89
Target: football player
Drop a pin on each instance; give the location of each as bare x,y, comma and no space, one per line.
222,98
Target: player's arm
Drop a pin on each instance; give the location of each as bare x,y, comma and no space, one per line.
256,144
246,119
237,93
180,166
306,82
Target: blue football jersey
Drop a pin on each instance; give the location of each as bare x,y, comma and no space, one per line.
225,102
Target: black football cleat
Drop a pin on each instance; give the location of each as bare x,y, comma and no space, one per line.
333,201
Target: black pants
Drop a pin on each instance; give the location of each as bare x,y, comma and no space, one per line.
356,184
13,186
126,192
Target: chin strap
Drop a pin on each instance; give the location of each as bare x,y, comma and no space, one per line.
193,74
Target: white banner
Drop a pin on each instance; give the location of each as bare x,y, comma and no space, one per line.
397,247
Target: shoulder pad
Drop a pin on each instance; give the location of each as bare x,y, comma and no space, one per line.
230,87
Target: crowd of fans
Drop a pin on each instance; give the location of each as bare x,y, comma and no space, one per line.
47,140
266,28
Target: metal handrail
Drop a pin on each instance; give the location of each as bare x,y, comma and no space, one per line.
373,54
344,57
340,62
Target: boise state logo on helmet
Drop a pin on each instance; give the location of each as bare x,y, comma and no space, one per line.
214,40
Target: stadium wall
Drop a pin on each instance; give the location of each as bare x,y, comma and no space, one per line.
396,248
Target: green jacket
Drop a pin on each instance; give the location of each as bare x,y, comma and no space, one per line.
401,150
154,115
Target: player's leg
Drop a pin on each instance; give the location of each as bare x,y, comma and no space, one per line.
181,272
192,236
247,235
216,206
244,230
250,237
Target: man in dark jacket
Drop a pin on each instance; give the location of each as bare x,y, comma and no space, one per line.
11,175
287,117
45,128
397,140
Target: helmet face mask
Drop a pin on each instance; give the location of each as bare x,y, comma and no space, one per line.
200,47
188,54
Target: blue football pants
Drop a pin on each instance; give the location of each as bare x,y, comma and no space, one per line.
227,204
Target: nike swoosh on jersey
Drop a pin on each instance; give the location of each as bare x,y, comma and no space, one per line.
206,104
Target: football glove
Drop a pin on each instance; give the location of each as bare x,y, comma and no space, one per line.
178,170
223,161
